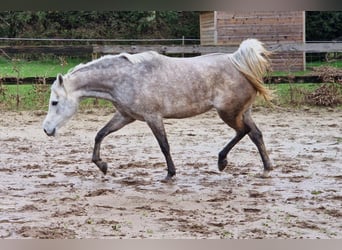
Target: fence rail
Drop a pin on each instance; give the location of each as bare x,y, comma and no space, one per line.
69,50
76,50
308,47
200,49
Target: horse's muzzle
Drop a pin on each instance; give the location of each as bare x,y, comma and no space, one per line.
51,133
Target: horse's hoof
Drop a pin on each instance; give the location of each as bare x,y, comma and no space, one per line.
103,166
264,175
222,164
167,179
268,169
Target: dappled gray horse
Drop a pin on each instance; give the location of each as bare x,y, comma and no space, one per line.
150,87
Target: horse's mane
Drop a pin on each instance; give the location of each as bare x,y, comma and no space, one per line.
134,59
140,57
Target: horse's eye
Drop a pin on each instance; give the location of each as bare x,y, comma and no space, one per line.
54,103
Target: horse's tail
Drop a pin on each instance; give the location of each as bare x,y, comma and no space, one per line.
252,59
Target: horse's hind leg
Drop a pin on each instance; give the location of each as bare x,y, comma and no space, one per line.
257,138
243,124
157,126
117,122
236,122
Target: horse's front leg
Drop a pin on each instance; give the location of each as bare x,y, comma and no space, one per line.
157,126
116,123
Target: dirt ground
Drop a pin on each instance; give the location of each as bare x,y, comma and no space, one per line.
49,187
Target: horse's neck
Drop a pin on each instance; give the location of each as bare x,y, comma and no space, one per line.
91,85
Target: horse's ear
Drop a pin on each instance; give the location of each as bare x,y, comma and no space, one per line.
60,79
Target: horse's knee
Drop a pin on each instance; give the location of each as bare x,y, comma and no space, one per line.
99,137
254,133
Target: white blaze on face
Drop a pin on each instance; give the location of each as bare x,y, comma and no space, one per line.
61,108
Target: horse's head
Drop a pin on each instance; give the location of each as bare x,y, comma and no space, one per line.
62,106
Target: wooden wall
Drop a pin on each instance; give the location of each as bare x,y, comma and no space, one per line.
208,29
270,27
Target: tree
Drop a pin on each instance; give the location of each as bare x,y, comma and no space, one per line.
99,24
323,25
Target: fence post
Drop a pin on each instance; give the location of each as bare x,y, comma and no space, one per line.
93,55
183,43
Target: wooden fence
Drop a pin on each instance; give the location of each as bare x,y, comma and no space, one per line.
62,50
97,50
74,50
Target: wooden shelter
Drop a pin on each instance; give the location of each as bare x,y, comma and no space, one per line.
270,27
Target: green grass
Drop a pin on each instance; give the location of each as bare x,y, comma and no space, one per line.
13,95
51,66
287,94
34,96
285,88
28,96
296,73
333,63
48,67
292,94
309,68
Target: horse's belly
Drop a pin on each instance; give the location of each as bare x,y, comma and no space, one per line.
179,110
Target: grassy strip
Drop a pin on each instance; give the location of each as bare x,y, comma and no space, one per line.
44,68
50,67
36,96
292,94
309,67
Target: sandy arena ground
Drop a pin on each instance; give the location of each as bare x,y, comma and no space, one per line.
49,187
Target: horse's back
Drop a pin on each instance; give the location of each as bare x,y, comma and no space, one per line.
180,87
